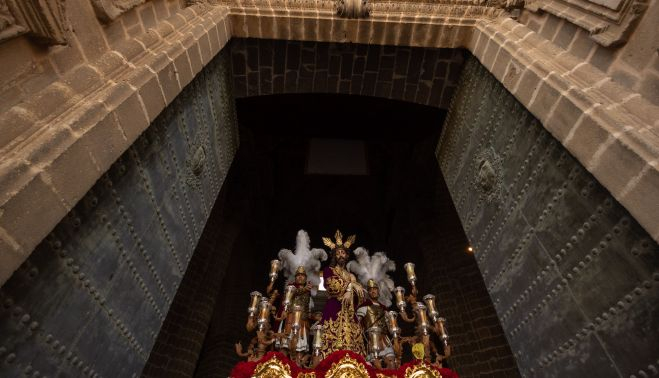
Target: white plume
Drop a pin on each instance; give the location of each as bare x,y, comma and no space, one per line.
374,267
310,259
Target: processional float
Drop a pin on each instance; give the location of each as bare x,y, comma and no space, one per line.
355,335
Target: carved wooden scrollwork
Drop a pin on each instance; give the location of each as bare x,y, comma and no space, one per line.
43,20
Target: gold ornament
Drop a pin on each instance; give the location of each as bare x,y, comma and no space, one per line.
347,367
418,351
307,375
342,333
338,241
421,371
273,368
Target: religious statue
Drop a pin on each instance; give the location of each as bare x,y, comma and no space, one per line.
303,268
341,329
372,271
355,335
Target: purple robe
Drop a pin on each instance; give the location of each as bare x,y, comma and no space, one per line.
336,287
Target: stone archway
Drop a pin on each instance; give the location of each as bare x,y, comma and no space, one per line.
77,108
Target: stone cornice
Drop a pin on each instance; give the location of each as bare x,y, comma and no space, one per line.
43,20
608,26
109,10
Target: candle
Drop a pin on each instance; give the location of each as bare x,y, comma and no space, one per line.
288,296
422,319
264,314
399,293
432,310
392,323
409,269
317,339
254,302
297,319
374,340
442,330
275,266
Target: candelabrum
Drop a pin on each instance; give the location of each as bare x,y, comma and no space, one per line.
426,316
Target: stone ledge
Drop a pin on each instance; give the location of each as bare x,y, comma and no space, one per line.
72,131
594,118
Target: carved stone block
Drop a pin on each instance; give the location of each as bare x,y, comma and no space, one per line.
44,20
353,8
109,10
608,22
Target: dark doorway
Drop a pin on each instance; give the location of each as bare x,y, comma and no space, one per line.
364,165
336,161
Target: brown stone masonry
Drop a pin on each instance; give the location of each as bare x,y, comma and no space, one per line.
423,76
50,134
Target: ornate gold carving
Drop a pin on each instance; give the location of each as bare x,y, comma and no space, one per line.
43,20
421,371
347,367
338,236
380,375
342,333
273,368
109,10
307,375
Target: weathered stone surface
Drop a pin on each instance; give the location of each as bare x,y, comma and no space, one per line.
607,21
572,275
92,297
57,118
109,10
44,20
424,76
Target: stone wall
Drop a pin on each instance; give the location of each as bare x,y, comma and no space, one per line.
632,62
91,299
423,76
82,122
427,231
121,63
573,277
30,66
